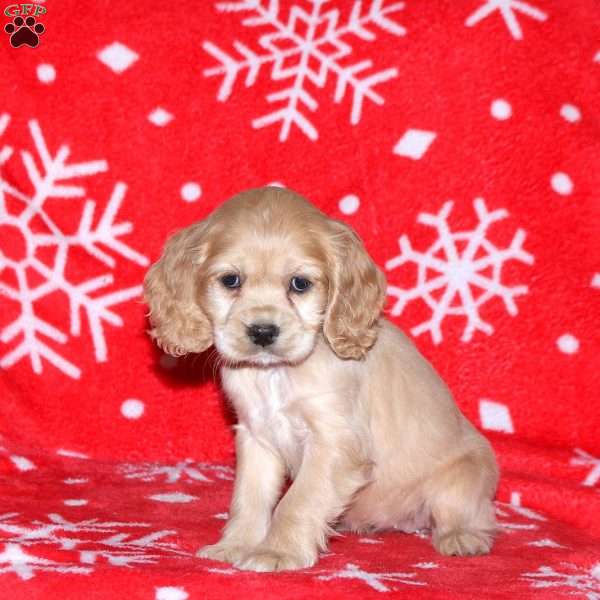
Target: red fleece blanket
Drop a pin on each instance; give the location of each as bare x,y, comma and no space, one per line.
461,140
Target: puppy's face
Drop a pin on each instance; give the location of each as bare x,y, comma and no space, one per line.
265,297
261,278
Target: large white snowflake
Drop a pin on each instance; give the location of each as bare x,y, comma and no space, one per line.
507,9
310,47
30,230
575,580
458,275
121,544
187,470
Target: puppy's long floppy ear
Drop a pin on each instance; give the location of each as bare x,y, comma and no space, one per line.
179,325
356,295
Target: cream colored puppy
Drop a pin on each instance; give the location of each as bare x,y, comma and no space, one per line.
327,392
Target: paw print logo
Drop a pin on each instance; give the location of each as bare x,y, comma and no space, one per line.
24,32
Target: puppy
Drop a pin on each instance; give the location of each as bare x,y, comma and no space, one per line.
327,392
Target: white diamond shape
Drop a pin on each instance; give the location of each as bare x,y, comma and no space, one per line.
414,143
495,416
160,117
117,57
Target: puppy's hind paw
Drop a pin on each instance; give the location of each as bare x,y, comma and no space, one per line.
463,543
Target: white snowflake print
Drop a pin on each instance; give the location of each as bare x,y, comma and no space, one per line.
31,233
373,580
120,544
13,559
460,276
311,47
527,519
545,543
507,9
186,470
583,459
576,581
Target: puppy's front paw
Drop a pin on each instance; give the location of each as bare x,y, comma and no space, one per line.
263,559
463,543
224,551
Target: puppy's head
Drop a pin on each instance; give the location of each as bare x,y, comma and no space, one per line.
262,277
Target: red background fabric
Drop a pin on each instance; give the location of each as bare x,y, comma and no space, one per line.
493,106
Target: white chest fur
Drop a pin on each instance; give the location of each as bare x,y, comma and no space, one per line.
267,408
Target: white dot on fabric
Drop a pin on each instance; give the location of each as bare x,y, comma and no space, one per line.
495,416
171,593
568,343
46,73
132,408
191,191
561,183
75,502
349,204
414,143
569,112
501,109
22,463
160,117
117,57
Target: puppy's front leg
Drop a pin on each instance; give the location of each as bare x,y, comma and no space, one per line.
258,480
323,487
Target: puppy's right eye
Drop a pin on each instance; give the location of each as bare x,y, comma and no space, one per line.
231,281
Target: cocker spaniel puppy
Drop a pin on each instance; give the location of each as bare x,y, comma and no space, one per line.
327,392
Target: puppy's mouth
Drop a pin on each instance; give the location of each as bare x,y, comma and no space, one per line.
265,358
261,357
245,353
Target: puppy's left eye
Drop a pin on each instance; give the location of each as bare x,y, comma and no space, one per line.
299,284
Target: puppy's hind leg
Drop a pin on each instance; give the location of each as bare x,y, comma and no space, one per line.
459,497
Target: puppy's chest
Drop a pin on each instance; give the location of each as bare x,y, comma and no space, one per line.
268,411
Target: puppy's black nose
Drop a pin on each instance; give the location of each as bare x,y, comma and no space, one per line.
263,334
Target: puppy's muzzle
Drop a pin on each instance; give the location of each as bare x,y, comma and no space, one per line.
263,334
